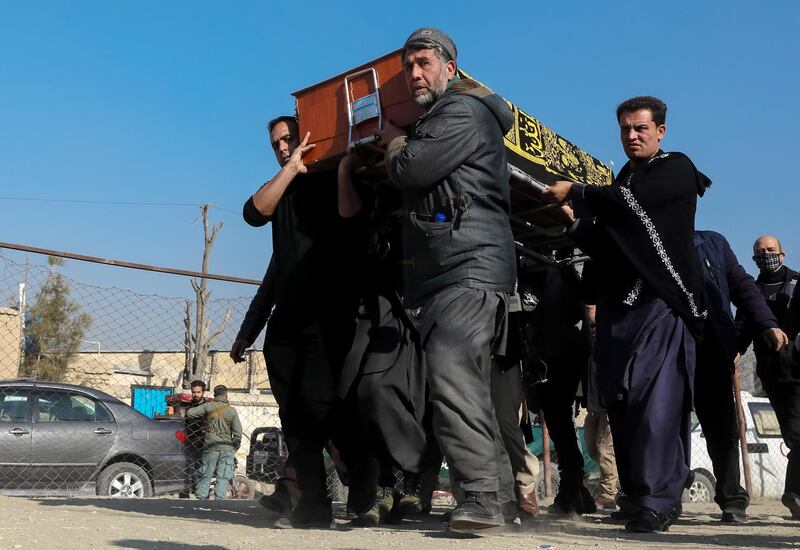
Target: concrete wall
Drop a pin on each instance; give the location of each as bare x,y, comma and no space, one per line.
10,342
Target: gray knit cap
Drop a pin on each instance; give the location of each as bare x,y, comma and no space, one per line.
427,34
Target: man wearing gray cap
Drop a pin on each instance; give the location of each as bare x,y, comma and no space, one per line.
460,259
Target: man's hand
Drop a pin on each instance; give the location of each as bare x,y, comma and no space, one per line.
568,212
736,360
558,191
350,162
237,350
295,161
389,133
776,339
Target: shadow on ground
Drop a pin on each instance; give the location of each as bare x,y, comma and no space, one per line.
139,544
241,512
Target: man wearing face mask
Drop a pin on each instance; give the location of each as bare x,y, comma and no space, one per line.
779,373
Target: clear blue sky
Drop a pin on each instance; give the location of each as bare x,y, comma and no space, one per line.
166,102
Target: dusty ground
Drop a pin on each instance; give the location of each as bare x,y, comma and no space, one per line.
173,524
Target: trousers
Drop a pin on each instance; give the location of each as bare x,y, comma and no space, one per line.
600,444
508,394
459,328
557,398
304,359
785,399
650,423
716,411
220,464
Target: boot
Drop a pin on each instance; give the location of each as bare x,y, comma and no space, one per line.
379,512
478,510
410,501
307,515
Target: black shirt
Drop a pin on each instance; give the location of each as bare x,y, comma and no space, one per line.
307,247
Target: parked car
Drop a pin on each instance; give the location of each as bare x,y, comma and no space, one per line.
62,439
765,447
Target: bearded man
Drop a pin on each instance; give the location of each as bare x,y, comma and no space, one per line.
460,267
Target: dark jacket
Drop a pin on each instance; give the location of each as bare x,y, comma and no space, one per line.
454,164
642,234
307,242
260,306
222,426
726,281
770,366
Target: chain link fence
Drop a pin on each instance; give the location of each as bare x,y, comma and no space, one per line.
85,372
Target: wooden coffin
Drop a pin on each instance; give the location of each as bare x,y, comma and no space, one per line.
322,109
532,147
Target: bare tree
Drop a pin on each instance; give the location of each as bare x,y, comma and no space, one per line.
199,337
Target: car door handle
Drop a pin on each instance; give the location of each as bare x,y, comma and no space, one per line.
757,448
19,431
102,431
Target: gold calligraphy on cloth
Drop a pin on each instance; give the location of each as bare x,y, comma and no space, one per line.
536,143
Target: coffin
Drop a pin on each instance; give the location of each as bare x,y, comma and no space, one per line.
533,148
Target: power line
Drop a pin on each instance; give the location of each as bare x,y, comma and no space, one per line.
115,203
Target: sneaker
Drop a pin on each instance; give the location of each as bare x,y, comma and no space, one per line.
605,502
378,514
317,516
792,502
478,510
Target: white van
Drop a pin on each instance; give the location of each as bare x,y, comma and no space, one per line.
766,450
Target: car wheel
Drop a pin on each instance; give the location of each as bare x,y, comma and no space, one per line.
701,489
124,480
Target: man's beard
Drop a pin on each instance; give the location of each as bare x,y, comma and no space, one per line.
429,98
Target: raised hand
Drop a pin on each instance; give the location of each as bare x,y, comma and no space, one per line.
295,161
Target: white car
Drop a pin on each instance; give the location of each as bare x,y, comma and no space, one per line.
766,450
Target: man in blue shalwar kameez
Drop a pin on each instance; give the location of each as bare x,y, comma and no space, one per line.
650,312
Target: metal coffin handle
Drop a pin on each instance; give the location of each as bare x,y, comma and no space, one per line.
362,108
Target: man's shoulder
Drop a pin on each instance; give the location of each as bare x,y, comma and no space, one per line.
704,236
452,102
669,159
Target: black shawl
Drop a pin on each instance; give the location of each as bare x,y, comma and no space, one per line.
643,234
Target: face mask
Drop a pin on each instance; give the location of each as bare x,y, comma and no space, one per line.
768,262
